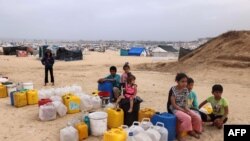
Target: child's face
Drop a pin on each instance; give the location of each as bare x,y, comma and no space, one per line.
113,72
217,94
190,86
126,69
133,81
182,83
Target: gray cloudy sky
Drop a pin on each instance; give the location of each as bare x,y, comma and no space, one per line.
121,19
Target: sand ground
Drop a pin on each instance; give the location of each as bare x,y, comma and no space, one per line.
21,124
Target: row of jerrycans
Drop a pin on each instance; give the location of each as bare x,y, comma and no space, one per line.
140,133
23,98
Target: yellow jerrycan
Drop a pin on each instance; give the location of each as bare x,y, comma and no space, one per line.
115,134
32,96
115,117
3,91
72,103
82,130
20,99
146,113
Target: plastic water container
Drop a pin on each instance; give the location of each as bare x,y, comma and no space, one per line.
136,128
153,134
162,130
86,104
146,113
142,136
98,123
20,99
146,123
72,103
3,91
82,130
169,121
115,134
61,109
44,101
96,102
106,87
32,96
69,134
115,117
12,98
28,85
47,112
87,121
11,88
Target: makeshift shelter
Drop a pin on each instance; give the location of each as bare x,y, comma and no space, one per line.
42,50
12,50
68,55
183,52
124,52
137,51
159,52
168,48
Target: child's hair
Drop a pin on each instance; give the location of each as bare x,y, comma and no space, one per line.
48,51
180,76
130,78
217,87
113,68
190,80
126,65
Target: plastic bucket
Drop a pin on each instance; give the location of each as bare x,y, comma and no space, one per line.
98,123
28,86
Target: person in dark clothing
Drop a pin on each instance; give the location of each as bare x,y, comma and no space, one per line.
48,62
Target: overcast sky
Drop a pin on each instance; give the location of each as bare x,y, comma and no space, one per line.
121,19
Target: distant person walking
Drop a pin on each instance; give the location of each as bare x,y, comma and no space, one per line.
48,62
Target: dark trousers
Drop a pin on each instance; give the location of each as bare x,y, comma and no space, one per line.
51,75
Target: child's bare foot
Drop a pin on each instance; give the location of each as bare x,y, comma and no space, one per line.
193,134
52,84
45,84
130,110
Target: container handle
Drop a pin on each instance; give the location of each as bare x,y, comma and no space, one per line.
136,123
146,120
160,124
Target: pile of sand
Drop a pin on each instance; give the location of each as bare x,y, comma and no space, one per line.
231,49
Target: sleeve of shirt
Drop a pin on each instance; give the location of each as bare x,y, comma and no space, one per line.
209,99
225,103
195,102
107,77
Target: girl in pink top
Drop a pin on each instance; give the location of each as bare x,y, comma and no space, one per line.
129,92
126,73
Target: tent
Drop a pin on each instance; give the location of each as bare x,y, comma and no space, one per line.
183,52
68,55
124,52
137,51
42,50
168,48
21,53
13,50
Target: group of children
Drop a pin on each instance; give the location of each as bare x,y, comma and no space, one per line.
182,101
124,87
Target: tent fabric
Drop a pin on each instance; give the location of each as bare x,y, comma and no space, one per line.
136,51
42,50
124,52
158,49
21,53
68,55
12,50
168,48
183,52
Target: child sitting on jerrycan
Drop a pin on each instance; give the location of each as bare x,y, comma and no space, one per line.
130,91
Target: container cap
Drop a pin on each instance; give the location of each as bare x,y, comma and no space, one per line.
130,134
